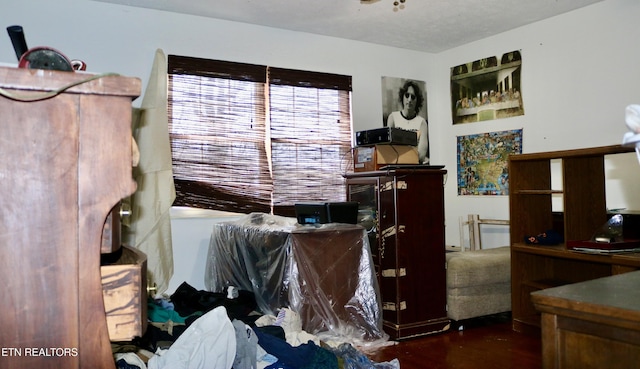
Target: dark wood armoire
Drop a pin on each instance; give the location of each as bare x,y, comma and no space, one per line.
403,210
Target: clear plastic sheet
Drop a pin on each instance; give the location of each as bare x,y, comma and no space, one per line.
323,272
251,253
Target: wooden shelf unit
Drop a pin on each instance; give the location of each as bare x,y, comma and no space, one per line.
536,267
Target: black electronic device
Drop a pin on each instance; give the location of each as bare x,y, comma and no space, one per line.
386,135
343,212
327,212
311,213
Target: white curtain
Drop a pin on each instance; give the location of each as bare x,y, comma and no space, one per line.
150,224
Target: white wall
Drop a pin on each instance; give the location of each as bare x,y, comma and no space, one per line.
579,71
122,39
191,232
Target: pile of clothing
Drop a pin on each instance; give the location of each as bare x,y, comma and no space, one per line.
201,329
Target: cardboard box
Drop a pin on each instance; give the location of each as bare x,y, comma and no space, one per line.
370,158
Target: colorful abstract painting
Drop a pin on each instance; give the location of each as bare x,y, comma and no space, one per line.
483,162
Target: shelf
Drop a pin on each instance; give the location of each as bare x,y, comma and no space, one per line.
537,192
553,250
561,252
565,154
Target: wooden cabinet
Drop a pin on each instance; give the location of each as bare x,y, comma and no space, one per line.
66,161
592,324
403,211
335,281
583,200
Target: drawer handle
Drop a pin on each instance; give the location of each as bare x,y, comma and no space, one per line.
151,290
125,210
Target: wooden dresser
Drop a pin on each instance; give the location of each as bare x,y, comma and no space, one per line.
66,161
592,324
404,212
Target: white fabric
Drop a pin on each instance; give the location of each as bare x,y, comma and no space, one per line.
632,119
291,324
246,346
209,342
150,224
131,359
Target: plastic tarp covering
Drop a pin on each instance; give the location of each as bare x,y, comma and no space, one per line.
251,253
323,272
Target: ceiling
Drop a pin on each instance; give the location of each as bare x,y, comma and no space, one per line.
423,25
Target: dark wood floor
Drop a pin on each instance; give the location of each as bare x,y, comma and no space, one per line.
484,343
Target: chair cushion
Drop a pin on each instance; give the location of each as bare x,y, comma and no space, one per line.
479,267
474,301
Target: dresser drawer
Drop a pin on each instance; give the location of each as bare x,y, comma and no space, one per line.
124,289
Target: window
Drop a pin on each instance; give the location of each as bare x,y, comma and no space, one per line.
250,138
